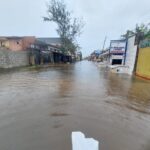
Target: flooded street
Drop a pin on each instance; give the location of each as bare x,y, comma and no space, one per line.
40,108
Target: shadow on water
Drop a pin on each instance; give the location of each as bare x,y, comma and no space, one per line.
57,114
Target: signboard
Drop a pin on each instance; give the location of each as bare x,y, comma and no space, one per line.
117,57
117,47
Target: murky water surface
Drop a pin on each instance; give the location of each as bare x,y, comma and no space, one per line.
39,108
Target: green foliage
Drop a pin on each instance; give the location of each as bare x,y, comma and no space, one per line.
142,28
68,28
127,34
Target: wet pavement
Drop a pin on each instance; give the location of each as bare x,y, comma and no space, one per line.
40,108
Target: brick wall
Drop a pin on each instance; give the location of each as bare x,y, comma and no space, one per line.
10,59
27,41
16,44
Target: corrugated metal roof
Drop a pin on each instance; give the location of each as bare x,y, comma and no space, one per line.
51,41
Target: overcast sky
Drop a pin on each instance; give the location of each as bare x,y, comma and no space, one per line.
102,18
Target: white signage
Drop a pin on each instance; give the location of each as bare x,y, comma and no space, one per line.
117,57
117,46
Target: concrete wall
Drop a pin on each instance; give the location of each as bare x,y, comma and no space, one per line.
9,59
143,64
131,55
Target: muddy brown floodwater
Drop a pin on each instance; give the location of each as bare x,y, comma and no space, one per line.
40,108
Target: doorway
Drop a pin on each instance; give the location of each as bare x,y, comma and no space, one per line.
116,61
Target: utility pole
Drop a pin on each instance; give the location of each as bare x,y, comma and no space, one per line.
125,55
104,43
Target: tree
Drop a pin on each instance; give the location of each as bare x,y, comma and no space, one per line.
68,28
140,30
127,34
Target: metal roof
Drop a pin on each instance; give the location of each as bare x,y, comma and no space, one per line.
51,41
122,40
40,43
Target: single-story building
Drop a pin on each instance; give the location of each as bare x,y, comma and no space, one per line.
117,52
15,43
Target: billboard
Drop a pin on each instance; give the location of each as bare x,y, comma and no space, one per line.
118,47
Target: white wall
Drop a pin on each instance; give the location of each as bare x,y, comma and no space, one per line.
131,55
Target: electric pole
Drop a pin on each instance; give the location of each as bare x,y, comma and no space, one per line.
104,43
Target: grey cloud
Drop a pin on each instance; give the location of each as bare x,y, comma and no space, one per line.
102,17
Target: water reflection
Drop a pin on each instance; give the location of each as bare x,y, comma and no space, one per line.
40,107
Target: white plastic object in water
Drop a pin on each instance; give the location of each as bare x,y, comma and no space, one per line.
80,142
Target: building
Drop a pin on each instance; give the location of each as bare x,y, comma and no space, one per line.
14,51
43,52
95,55
15,43
104,56
131,52
21,51
117,52
78,55
57,42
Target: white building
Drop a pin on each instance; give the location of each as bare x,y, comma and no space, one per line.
131,54
117,52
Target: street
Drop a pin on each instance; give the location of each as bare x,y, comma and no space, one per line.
41,107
